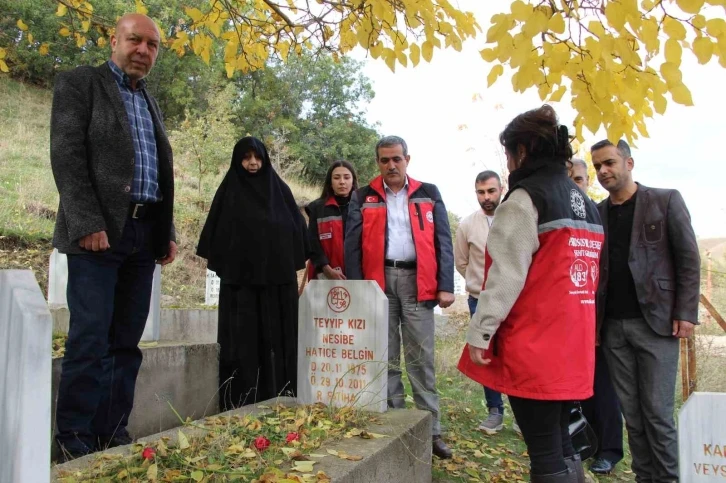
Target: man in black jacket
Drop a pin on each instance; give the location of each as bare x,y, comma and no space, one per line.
112,164
647,299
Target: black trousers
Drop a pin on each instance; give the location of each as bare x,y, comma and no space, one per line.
545,428
109,294
602,411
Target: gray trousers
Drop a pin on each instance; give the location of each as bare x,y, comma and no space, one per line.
643,368
414,323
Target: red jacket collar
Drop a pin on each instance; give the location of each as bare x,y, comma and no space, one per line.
377,185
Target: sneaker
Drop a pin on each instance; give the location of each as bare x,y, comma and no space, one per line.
515,427
493,423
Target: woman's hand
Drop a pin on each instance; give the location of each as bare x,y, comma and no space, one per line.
477,356
333,273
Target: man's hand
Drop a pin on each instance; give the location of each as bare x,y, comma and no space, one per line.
170,256
333,273
682,329
477,356
445,299
95,242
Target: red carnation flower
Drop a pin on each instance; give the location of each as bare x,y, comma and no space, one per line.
292,437
148,453
262,443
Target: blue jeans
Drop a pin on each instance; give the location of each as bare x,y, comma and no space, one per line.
108,298
493,398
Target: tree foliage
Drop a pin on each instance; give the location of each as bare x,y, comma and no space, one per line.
620,60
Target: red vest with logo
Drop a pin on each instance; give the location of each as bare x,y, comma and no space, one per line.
330,234
373,241
545,348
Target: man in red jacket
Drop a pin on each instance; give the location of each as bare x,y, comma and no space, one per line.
398,235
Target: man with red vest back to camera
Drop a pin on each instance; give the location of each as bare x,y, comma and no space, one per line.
398,235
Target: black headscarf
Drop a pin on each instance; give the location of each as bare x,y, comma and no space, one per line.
254,233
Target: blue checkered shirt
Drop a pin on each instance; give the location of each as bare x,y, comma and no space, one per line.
145,186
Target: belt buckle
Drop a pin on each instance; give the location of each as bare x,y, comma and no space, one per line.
136,209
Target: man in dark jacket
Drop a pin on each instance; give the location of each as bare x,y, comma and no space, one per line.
647,299
112,165
398,235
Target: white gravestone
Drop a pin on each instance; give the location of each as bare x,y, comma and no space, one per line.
343,344
58,282
25,379
702,438
211,294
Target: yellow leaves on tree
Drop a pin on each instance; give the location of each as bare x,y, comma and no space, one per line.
3,65
602,52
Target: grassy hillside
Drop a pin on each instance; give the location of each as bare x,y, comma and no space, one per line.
30,199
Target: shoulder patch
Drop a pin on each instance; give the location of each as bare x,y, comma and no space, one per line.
577,202
371,199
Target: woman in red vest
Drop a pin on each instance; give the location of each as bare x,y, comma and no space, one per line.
326,222
533,334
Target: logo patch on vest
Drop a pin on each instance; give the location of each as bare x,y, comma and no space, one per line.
430,217
594,271
371,199
577,202
578,273
326,236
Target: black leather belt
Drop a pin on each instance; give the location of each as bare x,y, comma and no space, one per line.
400,263
139,211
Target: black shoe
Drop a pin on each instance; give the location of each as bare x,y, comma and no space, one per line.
574,464
72,450
439,448
601,466
120,438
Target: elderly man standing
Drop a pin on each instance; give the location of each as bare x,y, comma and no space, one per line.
112,165
398,235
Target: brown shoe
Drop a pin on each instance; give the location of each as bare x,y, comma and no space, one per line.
439,448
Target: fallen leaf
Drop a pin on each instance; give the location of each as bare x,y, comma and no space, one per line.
333,452
152,473
183,441
197,476
303,466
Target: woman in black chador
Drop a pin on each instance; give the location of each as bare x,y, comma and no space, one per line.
255,240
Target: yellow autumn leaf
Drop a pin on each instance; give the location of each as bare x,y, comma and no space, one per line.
64,32
43,49
229,68
80,40
141,8
30,38
699,21
195,14
153,472
557,95
85,25
427,51
183,441
414,53
62,10
674,28
496,71
716,27
556,23
4,66
389,57
671,73
681,95
673,51
101,42
703,49
690,6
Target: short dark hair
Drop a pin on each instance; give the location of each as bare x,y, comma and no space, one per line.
623,147
328,185
388,141
540,133
487,175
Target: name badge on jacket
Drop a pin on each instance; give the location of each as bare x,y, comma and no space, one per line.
326,236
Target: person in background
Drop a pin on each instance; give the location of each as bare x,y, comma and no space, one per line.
602,410
471,240
532,336
255,240
398,235
112,164
327,217
647,300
